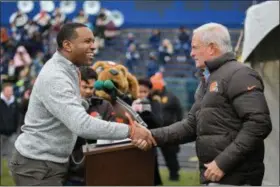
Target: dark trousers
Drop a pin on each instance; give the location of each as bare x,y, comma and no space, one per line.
170,156
30,172
157,178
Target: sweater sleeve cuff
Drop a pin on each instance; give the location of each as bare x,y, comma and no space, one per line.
156,133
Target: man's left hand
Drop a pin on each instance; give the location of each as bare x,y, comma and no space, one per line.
142,144
213,172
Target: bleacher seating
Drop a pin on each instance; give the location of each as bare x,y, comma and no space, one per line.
175,67
179,76
183,88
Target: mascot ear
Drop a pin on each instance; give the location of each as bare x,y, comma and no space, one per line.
99,66
111,63
133,85
99,69
123,70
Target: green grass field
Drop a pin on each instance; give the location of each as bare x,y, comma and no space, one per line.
6,179
187,178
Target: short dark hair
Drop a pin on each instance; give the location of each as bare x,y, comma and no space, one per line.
87,73
145,82
68,32
7,84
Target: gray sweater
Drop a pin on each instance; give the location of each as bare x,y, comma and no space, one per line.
55,115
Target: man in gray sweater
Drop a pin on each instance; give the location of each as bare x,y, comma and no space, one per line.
55,115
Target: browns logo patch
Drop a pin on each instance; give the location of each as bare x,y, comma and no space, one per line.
164,99
157,98
119,120
214,87
249,88
94,114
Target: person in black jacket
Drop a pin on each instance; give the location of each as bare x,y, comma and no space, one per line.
172,112
150,111
96,107
9,119
230,117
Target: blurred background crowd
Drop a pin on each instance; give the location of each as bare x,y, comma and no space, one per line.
28,40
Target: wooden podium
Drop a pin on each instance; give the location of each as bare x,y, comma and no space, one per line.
118,165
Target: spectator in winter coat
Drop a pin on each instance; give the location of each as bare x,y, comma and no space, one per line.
150,111
152,65
9,119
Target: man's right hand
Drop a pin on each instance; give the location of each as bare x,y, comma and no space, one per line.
139,133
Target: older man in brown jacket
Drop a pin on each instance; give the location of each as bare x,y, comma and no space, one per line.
229,119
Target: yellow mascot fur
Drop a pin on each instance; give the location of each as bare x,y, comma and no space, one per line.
123,80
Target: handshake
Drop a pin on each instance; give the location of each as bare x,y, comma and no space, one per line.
141,137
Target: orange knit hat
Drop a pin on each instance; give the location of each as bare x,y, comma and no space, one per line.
157,81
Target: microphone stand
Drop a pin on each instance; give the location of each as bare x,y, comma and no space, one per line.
135,114
113,91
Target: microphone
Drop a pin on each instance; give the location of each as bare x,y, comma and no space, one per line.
109,86
99,85
134,114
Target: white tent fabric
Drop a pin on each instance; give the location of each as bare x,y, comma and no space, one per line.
261,47
260,20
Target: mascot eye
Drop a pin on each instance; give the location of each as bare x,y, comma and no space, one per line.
99,69
114,72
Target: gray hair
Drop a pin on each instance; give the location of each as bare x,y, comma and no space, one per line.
217,34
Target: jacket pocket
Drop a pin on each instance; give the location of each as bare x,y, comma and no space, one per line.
210,146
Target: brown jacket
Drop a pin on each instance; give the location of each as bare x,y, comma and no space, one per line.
229,122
